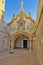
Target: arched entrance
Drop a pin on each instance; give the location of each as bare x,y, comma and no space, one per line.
21,40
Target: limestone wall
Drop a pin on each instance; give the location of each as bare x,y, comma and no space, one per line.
39,10
2,8
39,40
4,41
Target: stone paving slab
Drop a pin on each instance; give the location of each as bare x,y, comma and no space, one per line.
19,57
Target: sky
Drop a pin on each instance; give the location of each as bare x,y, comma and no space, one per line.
12,7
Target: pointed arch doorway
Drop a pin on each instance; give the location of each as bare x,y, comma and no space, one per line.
21,42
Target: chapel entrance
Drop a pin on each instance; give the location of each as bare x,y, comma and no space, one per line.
24,44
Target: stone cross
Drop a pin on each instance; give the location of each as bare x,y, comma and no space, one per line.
22,2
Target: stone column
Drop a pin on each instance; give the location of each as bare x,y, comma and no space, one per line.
11,46
30,44
14,45
5,44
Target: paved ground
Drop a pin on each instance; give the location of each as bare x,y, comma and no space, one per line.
20,57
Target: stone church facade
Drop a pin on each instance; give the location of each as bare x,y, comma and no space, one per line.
23,32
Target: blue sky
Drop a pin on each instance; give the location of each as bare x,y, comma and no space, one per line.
12,7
